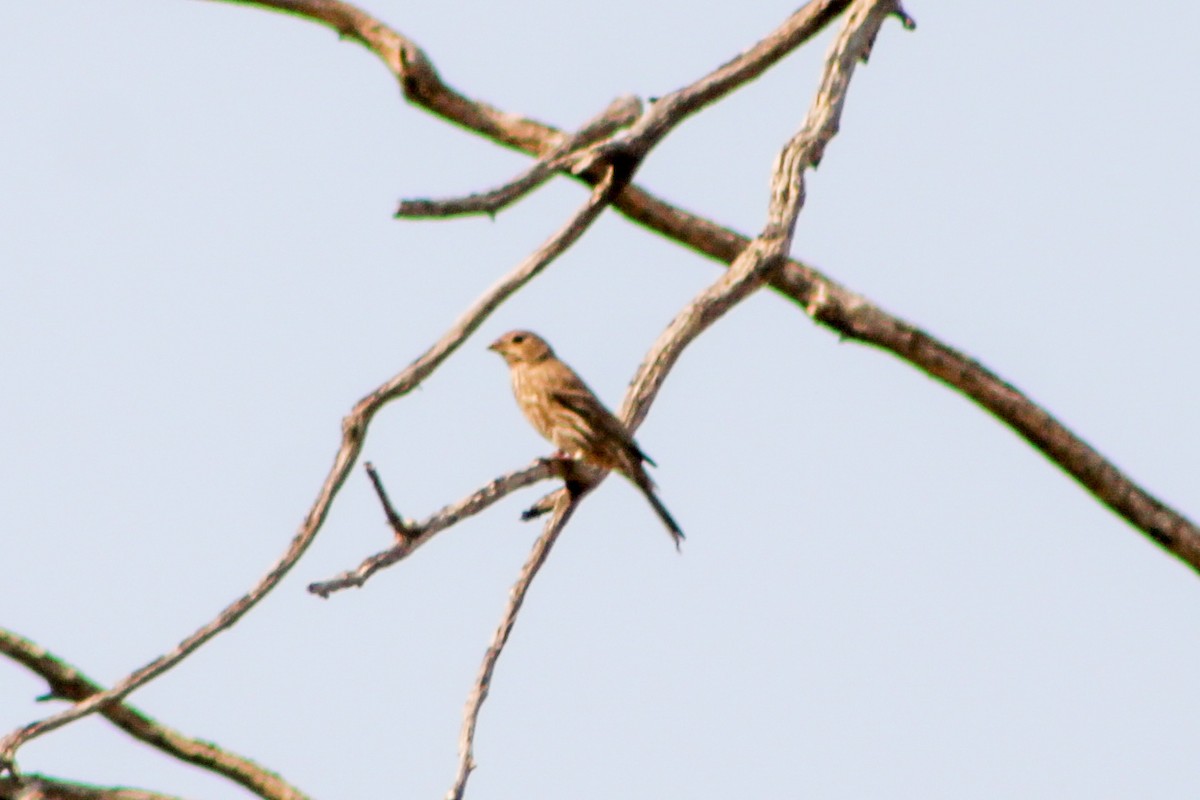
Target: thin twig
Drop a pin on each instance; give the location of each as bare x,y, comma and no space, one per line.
516,597
68,683
401,527
422,532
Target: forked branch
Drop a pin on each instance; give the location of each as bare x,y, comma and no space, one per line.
746,274
354,429
841,310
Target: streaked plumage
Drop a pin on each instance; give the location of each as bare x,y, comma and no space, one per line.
562,408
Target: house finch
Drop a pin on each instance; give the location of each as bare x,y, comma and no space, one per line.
564,410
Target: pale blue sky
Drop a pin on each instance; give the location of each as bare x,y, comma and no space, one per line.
884,593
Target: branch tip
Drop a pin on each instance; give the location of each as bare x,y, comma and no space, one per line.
907,21
402,528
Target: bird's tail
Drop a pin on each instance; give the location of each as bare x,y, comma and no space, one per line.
632,469
672,526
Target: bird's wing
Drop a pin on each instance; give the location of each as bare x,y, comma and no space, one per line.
579,399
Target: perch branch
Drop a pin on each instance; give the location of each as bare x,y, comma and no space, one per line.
563,510
420,533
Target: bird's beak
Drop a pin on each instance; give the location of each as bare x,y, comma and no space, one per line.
496,346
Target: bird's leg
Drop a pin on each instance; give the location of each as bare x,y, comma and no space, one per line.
565,467
543,506
568,468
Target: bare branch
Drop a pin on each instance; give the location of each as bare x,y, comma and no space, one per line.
68,683
855,318
418,79
563,510
227,617
424,87
670,110
420,533
403,528
43,787
620,113
769,251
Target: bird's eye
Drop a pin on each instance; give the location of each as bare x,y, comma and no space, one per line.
518,339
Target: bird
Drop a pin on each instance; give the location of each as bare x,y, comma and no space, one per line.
562,408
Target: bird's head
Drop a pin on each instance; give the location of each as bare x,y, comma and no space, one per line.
521,347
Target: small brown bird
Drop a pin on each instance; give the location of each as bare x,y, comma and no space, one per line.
563,409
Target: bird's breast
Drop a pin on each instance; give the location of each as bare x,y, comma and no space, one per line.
533,397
